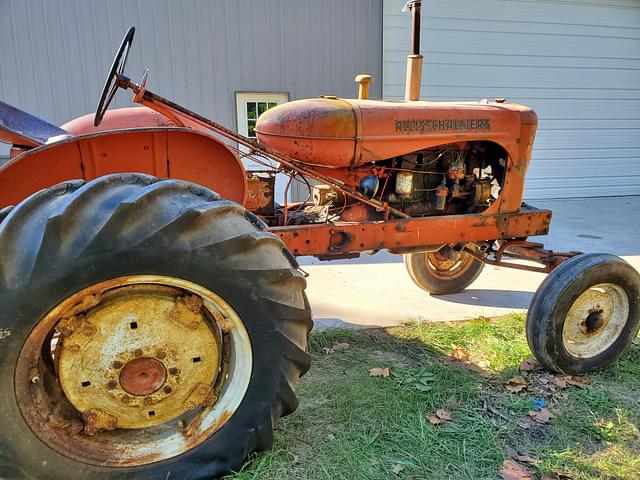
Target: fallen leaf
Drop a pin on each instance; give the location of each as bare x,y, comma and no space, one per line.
578,381
529,364
514,455
541,416
555,476
512,470
434,420
560,382
423,381
459,353
443,415
379,372
484,363
340,346
526,423
511,453
527,459
397,468
516,384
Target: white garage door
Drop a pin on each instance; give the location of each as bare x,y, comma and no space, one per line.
576,62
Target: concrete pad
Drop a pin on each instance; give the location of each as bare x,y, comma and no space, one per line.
377,291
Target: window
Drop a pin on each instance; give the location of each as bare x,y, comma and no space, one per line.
250,105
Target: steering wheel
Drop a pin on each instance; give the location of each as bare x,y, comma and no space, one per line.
111,83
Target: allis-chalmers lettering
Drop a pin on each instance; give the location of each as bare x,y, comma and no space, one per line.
474,124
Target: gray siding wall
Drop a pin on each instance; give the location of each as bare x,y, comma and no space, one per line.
577,63
55,54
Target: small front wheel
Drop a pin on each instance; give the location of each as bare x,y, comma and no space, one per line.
585,314
443,272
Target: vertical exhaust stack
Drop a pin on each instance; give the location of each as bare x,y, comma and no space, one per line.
414,59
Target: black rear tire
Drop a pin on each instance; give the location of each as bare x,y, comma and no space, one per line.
430,272
572,333
63,239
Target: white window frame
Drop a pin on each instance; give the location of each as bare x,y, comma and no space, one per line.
242,122
242,98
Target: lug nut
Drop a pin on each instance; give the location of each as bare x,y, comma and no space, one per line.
147,400
161,355
111,384
137,352
167,389
173,371
117,364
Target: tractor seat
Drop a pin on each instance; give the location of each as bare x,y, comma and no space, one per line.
25,130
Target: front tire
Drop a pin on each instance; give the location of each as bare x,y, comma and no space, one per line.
585,314
92,277
443,272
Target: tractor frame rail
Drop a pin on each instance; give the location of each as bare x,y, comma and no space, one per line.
522,250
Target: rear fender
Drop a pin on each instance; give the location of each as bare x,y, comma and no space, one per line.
121,118
180,153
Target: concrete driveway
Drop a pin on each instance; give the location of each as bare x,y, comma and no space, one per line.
377,291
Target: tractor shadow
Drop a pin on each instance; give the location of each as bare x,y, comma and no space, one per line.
517,299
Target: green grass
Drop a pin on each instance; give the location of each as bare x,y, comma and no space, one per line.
353,426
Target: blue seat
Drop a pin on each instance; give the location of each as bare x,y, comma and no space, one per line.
23,129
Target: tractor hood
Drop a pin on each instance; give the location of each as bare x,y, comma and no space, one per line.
334,132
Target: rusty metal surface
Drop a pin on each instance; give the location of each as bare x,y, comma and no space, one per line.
139,322
595,320
522,250
142,376
163,152
403,234
151,331
326,131
260,194
447,263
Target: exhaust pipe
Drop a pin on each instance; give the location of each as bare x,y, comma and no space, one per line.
414,60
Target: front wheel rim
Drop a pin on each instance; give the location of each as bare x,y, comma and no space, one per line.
595,320
145,353
448,264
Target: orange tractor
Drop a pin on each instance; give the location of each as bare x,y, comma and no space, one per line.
151,328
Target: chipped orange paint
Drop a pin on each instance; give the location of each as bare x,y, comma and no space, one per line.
336,135
180,153
411,234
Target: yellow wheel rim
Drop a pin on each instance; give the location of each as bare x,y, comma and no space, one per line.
595,320
141,357
140,352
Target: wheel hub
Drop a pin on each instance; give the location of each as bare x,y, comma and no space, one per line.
144,355
595,320
448,263
142,376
